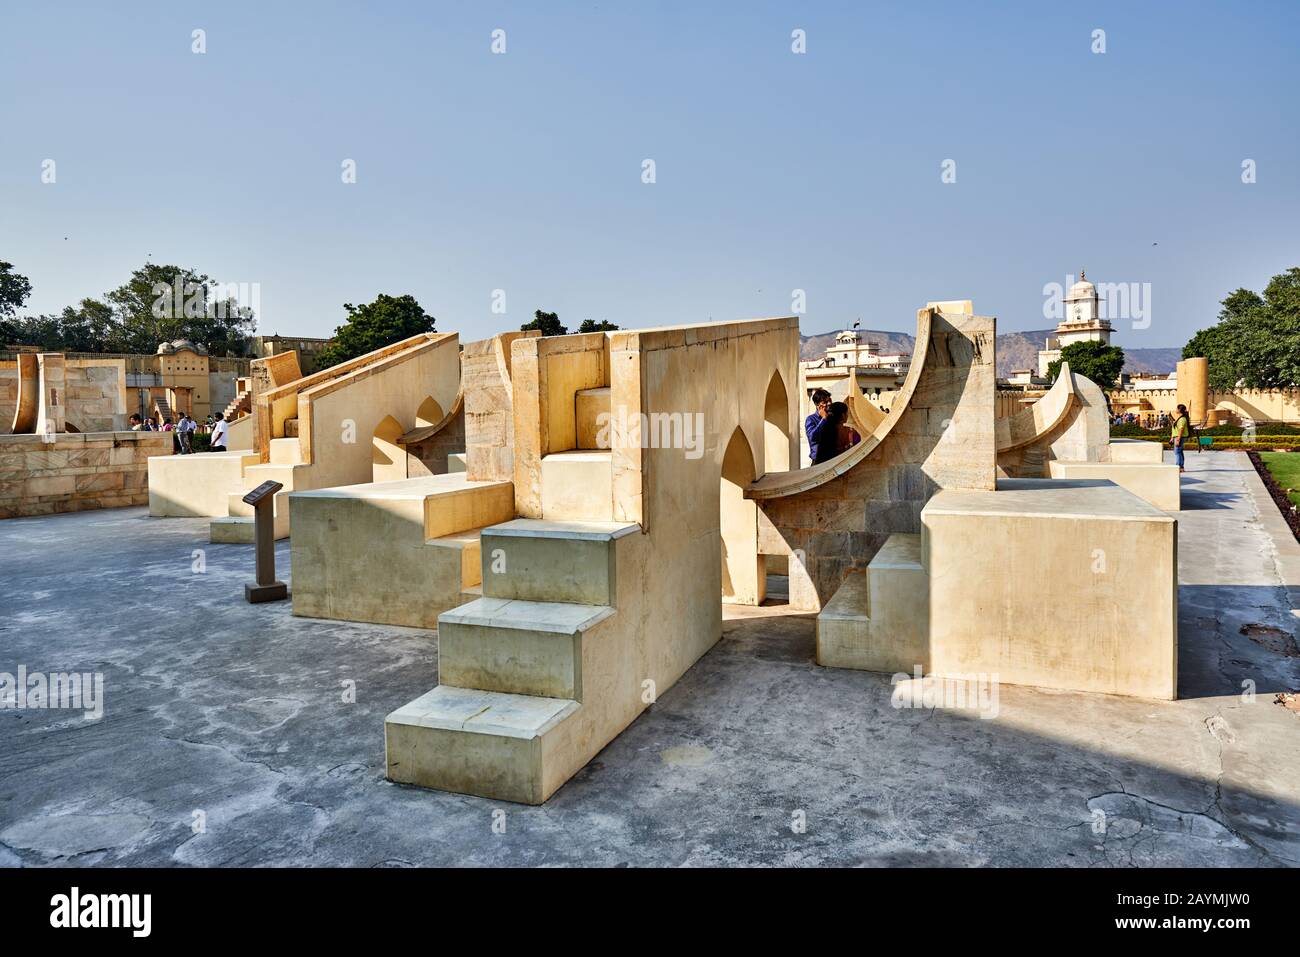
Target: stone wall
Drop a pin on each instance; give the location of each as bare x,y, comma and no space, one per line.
77,471
95,398
1261,405
489,406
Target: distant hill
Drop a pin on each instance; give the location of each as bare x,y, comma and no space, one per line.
1016,350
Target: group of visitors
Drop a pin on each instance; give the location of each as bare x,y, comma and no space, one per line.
828,431
1179,425
183,431
1148,420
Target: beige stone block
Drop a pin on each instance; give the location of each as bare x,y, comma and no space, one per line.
507,747
1158,484
879,620
467,505
592,431
194,485
577,486
552,561
1105,617
415,523
1136,450
517,647
49,485
91,457
101,482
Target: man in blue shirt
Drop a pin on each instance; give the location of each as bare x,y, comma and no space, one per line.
821,400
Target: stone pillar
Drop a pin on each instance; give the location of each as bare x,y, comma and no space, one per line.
51,416
1194,388
28,399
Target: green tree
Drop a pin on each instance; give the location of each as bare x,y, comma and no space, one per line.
548,323
591,325
14,290
91,327
1256,341
374,325
159,303
1093,360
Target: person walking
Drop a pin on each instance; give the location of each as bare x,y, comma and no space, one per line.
219,430
1181,430
183,431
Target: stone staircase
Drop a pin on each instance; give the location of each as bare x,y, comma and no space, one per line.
504,720
241,405
879,620
163,409
237,526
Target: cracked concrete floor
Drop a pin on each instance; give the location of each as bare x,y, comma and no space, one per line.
237,712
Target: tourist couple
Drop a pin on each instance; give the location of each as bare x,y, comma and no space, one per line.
827,428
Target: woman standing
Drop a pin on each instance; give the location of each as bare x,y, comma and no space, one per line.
1181,430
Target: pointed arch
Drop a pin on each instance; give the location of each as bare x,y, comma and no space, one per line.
388,459
429,413
743,569
776,426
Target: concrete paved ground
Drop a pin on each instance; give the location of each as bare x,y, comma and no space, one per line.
237,711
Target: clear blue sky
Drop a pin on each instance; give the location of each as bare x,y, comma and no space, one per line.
775,171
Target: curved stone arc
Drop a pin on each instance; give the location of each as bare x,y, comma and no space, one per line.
1041,419
428,431
864,416
29,392
781,484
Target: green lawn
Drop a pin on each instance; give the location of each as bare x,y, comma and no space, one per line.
1285,467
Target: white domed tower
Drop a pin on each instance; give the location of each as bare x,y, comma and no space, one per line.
1083,315
1082,322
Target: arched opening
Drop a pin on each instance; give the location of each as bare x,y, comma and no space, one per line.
387,457
429,413
776,426
743,569
776,458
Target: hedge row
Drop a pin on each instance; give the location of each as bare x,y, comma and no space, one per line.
1131,430
1288,443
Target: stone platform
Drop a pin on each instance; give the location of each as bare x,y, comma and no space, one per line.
239,710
